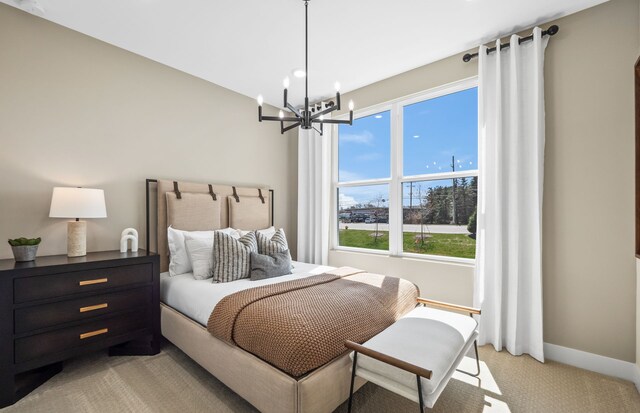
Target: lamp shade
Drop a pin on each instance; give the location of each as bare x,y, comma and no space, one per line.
77,203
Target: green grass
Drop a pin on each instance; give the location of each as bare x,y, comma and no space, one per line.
450,245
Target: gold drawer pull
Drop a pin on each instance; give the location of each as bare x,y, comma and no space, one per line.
93,307
94,333
96,281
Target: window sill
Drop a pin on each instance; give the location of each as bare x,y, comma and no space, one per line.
467,262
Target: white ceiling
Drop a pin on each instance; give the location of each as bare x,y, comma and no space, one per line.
249,46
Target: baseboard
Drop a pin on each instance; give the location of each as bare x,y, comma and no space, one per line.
594,362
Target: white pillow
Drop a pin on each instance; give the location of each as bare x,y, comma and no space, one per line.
268,232
179,259
200,251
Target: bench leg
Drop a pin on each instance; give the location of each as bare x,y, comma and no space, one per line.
420,393
353,379
475,347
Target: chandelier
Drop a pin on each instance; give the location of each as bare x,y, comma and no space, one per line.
309,115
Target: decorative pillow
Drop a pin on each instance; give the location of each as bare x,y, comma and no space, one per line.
272,245
180,263
267,266
200,251
232,257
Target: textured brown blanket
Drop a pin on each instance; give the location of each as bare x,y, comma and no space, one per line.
299,325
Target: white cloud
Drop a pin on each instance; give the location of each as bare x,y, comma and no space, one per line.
347,201
363,194
365,138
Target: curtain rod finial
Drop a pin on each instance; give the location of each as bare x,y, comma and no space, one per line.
552,30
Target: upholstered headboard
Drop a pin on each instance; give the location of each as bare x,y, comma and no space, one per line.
199,206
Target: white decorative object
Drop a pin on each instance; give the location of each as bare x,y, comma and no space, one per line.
77,203
129,234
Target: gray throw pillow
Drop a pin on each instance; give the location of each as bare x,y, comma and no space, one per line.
269,246
268,266
231,257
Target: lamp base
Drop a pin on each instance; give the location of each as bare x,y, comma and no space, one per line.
76,238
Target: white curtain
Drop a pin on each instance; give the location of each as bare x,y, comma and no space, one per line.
314,190
508,278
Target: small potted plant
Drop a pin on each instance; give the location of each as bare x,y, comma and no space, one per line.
24,249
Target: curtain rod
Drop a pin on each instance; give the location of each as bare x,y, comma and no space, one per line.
550,32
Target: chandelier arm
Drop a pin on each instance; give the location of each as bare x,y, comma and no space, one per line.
289,106
283,129
318,130
294,110
333,121
278,119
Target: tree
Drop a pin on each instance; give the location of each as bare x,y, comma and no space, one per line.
379,199
472,226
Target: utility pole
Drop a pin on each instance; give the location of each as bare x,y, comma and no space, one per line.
410,196
453,168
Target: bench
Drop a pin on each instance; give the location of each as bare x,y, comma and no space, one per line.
416,356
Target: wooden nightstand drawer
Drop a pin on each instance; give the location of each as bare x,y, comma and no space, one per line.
48,315
33,347
49,286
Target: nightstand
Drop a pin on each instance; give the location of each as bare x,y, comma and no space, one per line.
57,307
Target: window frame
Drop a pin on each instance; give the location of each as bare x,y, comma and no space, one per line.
396,178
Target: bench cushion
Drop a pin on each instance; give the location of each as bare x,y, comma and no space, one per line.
426,337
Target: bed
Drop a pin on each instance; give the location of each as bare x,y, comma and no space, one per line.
187,304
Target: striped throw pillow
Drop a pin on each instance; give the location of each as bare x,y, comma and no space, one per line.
232,257
271,246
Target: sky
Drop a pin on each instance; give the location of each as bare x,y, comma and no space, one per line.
434,130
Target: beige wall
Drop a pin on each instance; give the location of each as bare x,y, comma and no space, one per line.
75,111
589,273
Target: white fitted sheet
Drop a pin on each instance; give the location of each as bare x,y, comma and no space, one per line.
197,298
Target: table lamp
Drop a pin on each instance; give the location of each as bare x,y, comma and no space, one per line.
77,203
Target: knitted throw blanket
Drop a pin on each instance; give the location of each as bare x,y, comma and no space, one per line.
300,325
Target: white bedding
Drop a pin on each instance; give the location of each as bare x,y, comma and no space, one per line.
197,298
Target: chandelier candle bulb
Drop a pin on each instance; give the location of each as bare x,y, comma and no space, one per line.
337,86
281,114
351,105
285,82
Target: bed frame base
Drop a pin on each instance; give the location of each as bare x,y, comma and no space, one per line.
256,381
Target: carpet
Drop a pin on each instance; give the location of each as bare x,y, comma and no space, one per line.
172,382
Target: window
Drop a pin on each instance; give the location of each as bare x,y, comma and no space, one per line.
406,175
364,174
